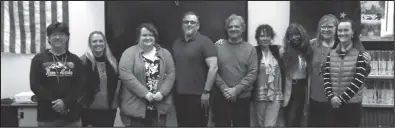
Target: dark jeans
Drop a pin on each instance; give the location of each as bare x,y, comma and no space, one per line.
320,114
190,112
98,118
294,110
348,115
227,114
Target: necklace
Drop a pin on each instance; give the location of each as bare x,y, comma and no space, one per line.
59,62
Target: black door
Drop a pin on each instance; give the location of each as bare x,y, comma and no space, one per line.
212,15
309,13
123,17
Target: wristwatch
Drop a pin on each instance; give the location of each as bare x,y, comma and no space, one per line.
206,91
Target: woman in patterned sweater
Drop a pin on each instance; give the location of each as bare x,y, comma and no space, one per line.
99,102
345,72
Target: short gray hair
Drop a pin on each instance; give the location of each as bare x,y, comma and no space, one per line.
235,17
191,13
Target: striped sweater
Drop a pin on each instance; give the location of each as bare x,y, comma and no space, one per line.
359,73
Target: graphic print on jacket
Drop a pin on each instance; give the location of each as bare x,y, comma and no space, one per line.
58,69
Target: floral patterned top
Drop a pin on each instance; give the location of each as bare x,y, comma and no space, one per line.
152,76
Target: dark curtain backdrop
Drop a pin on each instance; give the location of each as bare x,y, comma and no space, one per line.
308,13
123,17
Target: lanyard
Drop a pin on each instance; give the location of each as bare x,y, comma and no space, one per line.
58,62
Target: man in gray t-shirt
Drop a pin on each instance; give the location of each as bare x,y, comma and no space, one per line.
195,58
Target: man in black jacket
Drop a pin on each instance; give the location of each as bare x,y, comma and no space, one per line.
56,78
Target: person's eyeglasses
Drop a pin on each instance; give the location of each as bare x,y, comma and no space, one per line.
327,27
189,22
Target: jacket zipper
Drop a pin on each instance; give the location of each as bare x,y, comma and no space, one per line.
340,72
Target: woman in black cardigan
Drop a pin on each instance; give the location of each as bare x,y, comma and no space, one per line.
99,102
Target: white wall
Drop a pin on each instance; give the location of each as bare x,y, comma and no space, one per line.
274,13
84,17
14,74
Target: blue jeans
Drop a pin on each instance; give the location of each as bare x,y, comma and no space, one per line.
267,113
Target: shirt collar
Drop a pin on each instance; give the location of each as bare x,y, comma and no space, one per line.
50,53
192,38
339,49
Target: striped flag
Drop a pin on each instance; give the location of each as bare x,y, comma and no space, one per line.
24,23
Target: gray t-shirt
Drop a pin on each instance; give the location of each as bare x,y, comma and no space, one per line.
190,63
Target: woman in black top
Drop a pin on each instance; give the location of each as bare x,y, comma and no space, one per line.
99,102
296,41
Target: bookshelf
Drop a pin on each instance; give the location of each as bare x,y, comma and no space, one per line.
368,105
379,91
380,77
378,96
376,112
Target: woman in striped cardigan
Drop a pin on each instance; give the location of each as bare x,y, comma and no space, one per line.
346,67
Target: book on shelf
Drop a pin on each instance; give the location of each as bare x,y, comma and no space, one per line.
378,92
382,62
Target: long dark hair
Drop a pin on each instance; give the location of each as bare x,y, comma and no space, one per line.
355,37
290,53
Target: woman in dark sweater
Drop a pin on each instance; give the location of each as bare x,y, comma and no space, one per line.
346,67
99,102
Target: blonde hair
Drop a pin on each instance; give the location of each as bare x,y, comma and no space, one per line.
107,52
326,18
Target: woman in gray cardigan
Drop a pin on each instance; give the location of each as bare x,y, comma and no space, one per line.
147,73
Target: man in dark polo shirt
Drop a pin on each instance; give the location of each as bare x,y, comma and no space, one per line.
195,58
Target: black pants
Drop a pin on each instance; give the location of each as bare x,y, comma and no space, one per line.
320,114
98,118
295,106
348,115
227,114
151,120
190,113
